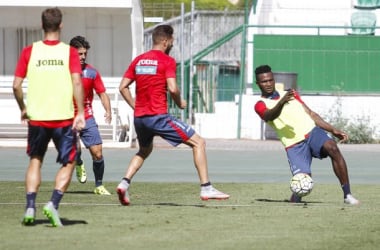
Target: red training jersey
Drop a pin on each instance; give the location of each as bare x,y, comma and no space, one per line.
150,71
92,81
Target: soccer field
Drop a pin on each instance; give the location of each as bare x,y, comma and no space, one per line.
166,212
171,216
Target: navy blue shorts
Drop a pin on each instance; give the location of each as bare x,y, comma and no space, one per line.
90,135
64,140
168,127
300,155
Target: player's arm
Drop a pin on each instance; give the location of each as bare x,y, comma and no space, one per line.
79,120
20,74
273,113
104,98
325,125
175,93
19,96
125,91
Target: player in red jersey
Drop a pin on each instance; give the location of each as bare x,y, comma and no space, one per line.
154,73
53,71
90,135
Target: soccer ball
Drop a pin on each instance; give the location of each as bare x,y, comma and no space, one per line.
301,184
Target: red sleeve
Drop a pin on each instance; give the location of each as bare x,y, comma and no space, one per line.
74,63
130,72
98,84
298,97
260,108
22,64
171,69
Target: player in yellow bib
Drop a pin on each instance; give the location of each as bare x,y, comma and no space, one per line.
54,79
301,131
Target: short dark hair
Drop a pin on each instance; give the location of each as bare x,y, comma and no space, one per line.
162,32
79,42
263,69
51,19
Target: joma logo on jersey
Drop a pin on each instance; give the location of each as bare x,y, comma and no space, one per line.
50,62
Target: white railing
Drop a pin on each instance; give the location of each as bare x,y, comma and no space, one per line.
122,114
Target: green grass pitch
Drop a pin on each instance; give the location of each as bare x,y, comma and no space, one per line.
171,216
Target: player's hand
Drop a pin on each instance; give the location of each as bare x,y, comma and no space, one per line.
343,137
288,96
183,104
79,122
24,117
108,118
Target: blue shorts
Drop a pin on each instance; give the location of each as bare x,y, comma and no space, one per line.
300,155
168,127
90,135
64,140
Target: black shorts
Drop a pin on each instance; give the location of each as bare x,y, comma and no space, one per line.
64,139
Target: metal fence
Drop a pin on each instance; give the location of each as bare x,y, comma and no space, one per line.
207,47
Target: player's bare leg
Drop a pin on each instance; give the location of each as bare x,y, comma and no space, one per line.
32,184
134,165
340,170
198,145
33,175
63,177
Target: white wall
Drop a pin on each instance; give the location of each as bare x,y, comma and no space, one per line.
224,122
113,28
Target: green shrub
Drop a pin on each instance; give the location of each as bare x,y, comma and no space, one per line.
358,128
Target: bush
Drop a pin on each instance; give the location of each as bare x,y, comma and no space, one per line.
358,129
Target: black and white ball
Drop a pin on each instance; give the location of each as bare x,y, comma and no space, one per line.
301,184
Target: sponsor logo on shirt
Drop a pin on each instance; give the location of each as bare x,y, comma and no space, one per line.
147,62
50,62
146,67
146,70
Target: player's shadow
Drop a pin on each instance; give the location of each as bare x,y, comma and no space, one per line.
171,204
65,222
285,200
79,192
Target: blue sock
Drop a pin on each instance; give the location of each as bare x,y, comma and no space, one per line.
98,168
56,198
31,199
346,190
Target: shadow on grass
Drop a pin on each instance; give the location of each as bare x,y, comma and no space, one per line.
177,205
286,201
65,222
79,192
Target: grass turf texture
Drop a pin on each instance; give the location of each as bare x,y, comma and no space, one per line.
171,216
